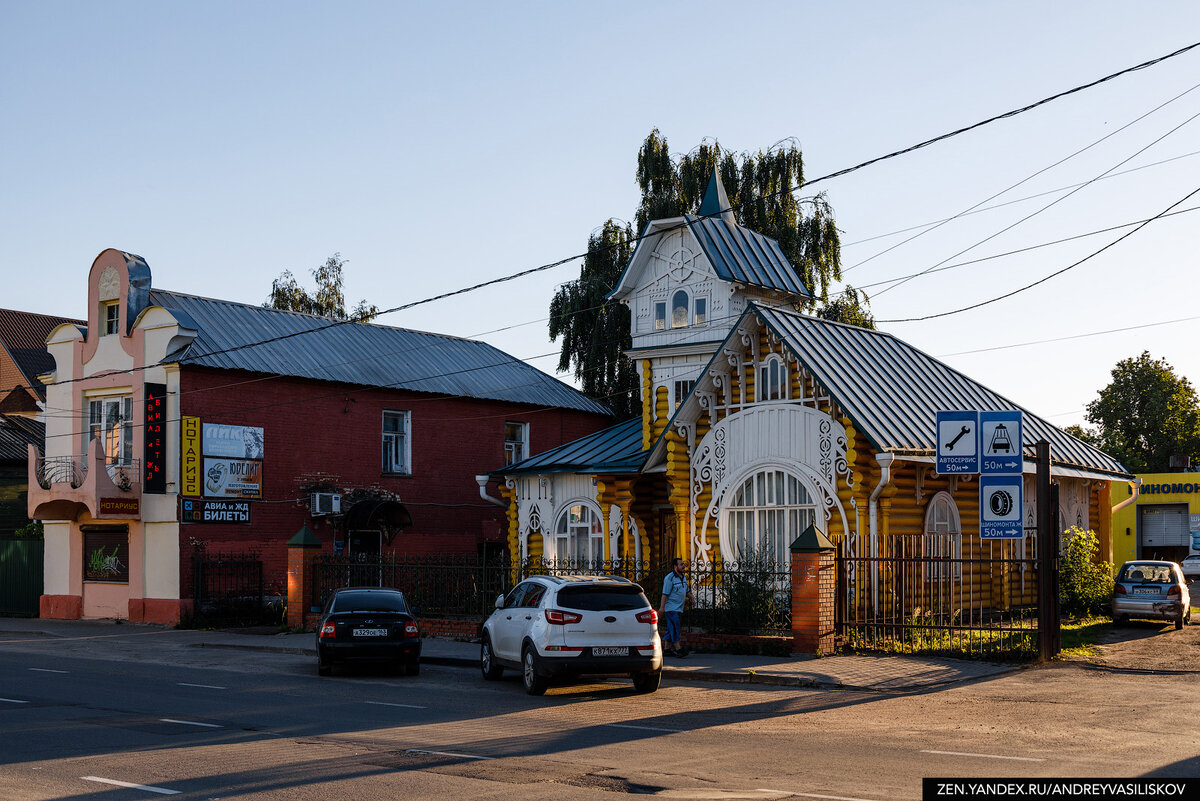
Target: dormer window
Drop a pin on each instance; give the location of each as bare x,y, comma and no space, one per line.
772,379
110,313
679,310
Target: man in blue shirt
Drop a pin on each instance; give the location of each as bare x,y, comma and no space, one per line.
675,590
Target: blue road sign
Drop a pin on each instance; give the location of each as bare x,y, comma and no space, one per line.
1000,443
1000,503
957,442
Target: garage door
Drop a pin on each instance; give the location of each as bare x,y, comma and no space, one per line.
1165,526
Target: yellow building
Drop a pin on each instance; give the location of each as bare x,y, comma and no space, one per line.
1156,520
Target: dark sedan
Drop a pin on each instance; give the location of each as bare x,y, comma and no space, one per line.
368,624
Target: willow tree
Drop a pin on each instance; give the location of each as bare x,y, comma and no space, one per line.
761,188
326,301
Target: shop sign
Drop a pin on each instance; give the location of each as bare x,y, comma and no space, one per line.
1175,488
120,506
232,478
190,460
106,556
154,450
213,511
957,441
1000,443
233,442
1001,499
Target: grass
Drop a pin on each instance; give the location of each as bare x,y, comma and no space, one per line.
1079,636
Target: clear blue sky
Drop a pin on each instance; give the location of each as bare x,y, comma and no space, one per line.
437,145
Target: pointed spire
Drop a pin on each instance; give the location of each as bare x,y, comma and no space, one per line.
716,202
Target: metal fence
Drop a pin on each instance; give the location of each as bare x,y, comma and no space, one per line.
20,577
979,603
227,589
435,586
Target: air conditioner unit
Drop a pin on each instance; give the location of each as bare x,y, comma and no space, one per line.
325,503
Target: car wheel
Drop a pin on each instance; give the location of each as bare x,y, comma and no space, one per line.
487,661
535,683
1179,621
647,682
413,666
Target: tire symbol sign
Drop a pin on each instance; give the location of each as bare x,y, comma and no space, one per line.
1001,503
1000,508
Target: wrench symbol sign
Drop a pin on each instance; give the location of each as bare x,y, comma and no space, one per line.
965,430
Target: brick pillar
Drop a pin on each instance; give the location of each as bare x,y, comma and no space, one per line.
814,590
302,553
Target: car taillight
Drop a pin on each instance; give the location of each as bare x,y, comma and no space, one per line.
572,649
649,616
410,629
1119,589
559,617
1175,592
328,630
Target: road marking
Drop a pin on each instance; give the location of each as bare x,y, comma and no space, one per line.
192,723
13,701
985,756
404,706
446,753
642,728
205,686
161,790
48,670
815,795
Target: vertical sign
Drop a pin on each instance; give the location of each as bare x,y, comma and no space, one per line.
154,439
190,460
1000,503
1000,443
957,442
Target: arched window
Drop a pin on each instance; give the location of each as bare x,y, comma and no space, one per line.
772,379
579,534
943,538
766,513
679,310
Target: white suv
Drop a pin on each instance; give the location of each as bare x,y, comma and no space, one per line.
570,625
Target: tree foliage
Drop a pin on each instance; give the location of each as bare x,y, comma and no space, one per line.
1146,415
759,188
326,301
1084,585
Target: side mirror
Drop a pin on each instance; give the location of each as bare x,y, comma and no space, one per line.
500,601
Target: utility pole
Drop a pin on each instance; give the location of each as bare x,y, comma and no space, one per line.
1049,631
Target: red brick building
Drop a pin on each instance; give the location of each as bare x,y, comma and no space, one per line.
201,423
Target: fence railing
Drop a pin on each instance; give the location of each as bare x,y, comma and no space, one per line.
979,606
435,586
227,589
61,470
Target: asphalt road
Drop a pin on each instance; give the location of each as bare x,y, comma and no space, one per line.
88,719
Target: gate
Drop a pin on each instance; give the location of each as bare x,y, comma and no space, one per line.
227,589
973,599
435,586
20,577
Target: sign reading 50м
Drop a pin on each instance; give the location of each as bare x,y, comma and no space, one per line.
957,442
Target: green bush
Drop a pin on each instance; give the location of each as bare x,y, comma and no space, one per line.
1084,585
30,531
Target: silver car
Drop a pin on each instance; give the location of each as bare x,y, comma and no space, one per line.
1191,567
1153,590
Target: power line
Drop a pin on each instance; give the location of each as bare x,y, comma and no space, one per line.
1072,336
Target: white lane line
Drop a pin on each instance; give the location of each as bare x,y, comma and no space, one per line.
815,795
49,670
403,706
192,723
161,790
205,686
12,701
985,756
642,728
446,753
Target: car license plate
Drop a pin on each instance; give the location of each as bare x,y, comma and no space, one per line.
1145,591
370,632
611,651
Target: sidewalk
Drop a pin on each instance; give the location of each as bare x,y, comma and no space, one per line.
877,673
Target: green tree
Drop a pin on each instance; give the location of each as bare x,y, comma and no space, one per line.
759,187
1146,415
1083,583
327,301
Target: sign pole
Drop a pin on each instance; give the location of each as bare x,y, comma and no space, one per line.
1049,634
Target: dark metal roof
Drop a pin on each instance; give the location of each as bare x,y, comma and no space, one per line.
617,449
308,346
739,254
16,434
23,335
893,391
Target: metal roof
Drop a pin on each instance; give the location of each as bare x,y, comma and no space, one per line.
617,449
239,336
23,335
17,434
739,254
893,391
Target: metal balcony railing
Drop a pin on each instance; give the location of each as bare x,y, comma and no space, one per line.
61,470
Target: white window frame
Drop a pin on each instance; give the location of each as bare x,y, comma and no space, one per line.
767,519
516,450
396,444
110,419
110,317
660,315
942,536
686,306
569,534
772,366
681,388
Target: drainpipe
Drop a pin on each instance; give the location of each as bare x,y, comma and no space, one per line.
885,476
482,481
1135,489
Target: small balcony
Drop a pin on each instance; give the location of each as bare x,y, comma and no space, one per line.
63,487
